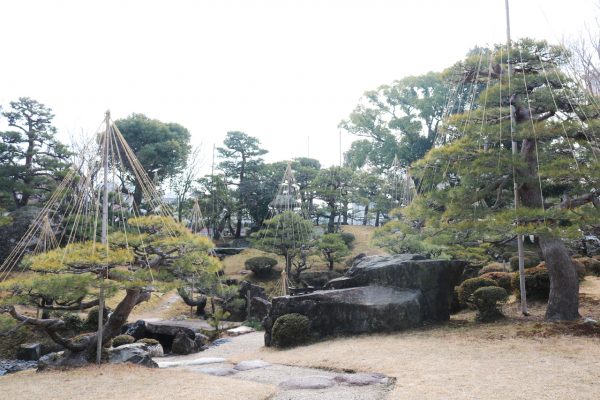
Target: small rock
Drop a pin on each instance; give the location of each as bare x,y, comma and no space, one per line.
155,350
219,342
360,379
29,352
186,363
218,371
308,382
589,321
183,345
240,330
251,364
51,360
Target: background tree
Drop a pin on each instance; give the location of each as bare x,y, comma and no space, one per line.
241,157
32,160
305,171
332,185
183,183
161,148
332,248
286,234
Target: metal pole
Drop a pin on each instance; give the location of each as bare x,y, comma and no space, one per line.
515,150
103,238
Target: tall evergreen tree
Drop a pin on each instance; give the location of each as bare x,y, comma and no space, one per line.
32,160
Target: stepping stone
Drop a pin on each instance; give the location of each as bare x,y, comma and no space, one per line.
186,363
360,379
308,382
251,364
218,371
240,330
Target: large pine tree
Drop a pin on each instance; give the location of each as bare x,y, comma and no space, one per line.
467,184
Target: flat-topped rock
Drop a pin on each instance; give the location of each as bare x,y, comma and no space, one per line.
353,310
378,294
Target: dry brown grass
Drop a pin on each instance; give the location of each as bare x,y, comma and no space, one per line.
128,382
363,235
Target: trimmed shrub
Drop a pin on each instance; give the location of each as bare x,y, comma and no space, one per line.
592,265
148,341
122,339
468,287
486,300
502,279
348,238
493,267
73,322
91,321
537,283
260,266
529,259
290,330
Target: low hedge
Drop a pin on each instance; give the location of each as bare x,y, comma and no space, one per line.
537,283
122,339
260,266
486,300
469,286
290,330
502,279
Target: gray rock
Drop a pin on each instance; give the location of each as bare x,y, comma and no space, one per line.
378,294
361,379
124,353
308,382
136,329
63,359
201,340
218,371
144,360
183,344
51,360
10,366
255,290
318,279
251,364
155,350
259,308
29,351
589,321
164,328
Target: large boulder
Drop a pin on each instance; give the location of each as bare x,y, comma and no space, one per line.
378,294
259,308
136,329
29,351
183,344
166,332
352,310
434,278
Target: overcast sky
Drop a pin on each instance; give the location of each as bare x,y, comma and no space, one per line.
280,70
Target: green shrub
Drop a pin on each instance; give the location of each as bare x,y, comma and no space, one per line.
91,321
260,266
530,260
492,267
236,308
290,330
486,300
73,322
502,279
148,341
122,339
348,238
537,283
469,286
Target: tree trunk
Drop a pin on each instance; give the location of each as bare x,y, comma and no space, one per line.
345,213
563,302
366,215
137,196
331,221
377,214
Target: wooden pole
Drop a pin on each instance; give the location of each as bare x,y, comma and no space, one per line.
103,239
515,150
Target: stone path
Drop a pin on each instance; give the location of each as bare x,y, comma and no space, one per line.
293,383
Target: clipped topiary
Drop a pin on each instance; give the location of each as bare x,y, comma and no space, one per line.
122,339
260,266
492,267
537,283
290,330
348,238
469,286
486,300
502,279
530,260
91,320
148,341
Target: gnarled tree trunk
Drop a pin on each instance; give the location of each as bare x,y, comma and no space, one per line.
563,303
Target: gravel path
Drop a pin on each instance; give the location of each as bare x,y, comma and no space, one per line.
292,382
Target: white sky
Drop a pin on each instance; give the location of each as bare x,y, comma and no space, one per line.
280,70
